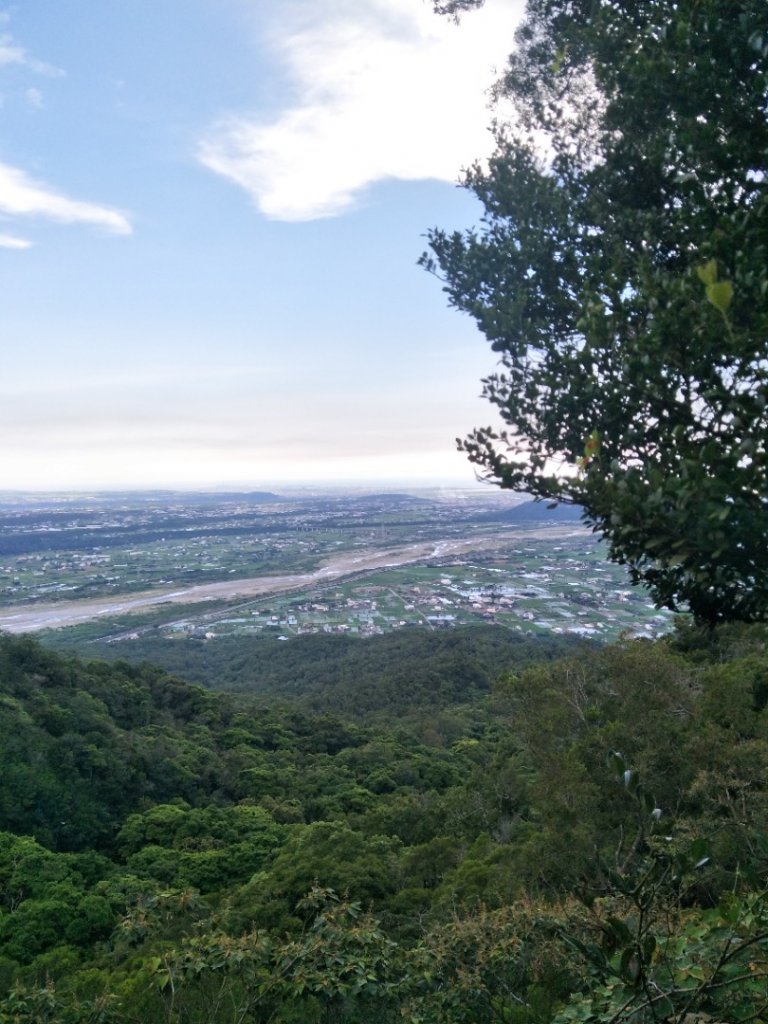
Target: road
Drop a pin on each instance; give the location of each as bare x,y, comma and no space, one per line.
30,618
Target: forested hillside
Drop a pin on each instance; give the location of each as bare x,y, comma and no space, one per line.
590,832
414,668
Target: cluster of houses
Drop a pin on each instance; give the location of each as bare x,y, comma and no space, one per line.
572,597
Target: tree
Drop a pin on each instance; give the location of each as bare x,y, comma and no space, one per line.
620,270
660,957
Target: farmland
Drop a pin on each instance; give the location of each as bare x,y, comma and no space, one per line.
109,568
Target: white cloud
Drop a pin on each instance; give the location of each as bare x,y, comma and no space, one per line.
12,54
22,196
12,242
34,98
383,89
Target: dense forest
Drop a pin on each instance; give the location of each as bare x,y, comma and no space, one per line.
336,673
586,833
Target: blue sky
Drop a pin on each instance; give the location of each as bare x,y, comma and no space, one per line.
210,216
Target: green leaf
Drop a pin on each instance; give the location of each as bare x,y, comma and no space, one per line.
707,272
619,930
647,801
630,966
720,294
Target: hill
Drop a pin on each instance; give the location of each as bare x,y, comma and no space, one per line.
530,512
158,840
348,675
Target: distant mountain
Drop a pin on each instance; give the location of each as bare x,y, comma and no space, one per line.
219,497
17,500
393,498
534,512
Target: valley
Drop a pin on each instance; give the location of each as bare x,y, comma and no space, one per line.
110,569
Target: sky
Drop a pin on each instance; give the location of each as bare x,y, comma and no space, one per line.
210,217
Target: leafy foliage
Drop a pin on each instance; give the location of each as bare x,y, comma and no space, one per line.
620,272
658,958
484,863
349,675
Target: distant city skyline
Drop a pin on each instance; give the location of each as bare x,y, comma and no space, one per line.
210,216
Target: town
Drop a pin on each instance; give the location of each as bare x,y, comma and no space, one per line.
202,567
542,587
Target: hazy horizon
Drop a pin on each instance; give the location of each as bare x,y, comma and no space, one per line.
330,486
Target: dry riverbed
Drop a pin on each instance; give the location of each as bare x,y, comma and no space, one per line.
33,617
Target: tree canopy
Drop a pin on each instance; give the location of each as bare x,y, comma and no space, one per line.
620,270
585,843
